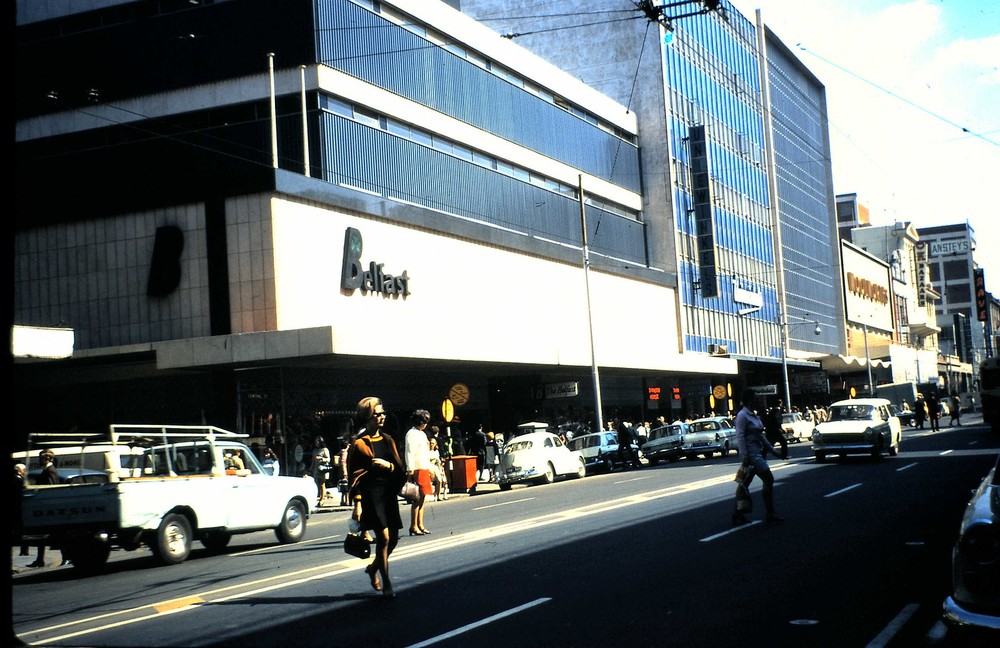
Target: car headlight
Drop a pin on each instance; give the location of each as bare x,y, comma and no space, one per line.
981,544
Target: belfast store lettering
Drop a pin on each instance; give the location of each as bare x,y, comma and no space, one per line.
374,279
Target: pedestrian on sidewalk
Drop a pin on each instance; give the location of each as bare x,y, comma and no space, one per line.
418,468
956,410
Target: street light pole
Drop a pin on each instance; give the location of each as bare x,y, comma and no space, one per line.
868,363
783,323
598,412
784,358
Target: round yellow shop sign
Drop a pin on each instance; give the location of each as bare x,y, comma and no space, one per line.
459,394
719,391
448,410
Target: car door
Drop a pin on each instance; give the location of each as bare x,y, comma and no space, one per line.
564,460
251,498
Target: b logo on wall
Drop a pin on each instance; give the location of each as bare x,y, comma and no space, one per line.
372,280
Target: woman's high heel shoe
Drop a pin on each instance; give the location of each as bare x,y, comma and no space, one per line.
373,575
425,532
414,532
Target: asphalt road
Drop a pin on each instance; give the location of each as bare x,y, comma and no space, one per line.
641,558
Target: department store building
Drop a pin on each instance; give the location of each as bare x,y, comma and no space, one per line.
399,216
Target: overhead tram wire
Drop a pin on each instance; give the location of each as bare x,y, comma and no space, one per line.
899,97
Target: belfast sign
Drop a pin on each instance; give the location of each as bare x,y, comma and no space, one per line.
373,279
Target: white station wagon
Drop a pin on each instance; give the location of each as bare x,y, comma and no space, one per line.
858,426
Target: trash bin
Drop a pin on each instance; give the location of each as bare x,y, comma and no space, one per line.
462,477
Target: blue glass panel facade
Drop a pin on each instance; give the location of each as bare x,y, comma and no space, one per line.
372,159
365,45
713,78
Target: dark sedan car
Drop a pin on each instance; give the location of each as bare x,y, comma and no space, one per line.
973,608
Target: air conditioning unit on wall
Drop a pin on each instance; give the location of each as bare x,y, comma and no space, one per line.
718,349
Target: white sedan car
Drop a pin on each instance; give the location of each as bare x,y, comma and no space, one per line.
795,428
858,426
538,457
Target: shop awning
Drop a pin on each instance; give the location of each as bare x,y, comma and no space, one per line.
838,364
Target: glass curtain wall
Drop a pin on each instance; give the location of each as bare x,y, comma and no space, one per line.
713,80
805,197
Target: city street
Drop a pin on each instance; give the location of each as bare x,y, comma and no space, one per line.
645,557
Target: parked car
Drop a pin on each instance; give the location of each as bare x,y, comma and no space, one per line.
858,426
665,442
599,450
538,457
905,416
795,428
706,436
974,605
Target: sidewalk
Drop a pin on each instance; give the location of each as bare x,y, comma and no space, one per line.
332,503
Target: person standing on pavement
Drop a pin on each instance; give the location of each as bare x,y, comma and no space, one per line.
752,445
376,475
418,468
956,411
49,476
934,412
320,467
625,439
919,412
772,428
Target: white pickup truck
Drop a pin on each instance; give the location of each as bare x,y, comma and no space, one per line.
163,486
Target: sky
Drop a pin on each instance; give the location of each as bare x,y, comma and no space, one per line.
913,92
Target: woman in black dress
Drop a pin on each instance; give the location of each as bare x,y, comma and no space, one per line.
376,475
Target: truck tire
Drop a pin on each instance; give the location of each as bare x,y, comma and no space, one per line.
88,556
293,523
172,543
216,541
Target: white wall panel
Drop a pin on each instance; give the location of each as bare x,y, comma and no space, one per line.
469,301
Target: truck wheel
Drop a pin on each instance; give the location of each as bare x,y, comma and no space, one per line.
88,556
172,544
293,523
216,540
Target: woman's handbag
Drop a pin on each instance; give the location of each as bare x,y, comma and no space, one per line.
410,491
357,546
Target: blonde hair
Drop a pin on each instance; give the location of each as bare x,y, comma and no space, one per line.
366,409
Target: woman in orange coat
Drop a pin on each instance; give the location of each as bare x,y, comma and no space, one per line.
376,475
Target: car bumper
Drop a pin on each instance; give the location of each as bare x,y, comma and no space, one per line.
843,447
957,616
698,449
662,453
515,476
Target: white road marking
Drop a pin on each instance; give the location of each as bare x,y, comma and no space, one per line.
843,490
625,481
477,624
728,531
277,547
894,626
523,499
907,467
946,452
